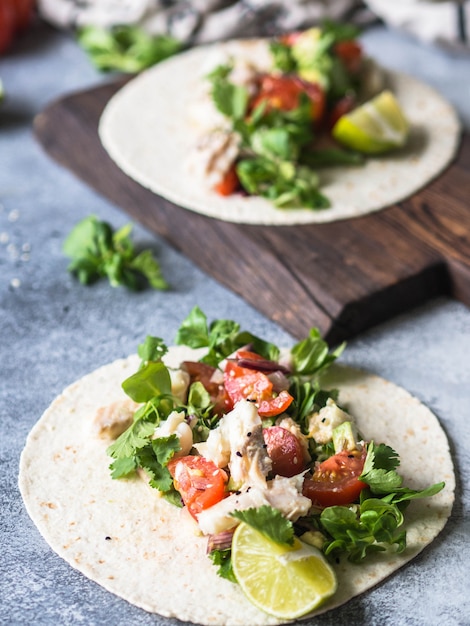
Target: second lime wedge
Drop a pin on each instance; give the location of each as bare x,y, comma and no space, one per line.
284,581
374,127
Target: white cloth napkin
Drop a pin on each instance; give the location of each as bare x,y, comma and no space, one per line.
202,21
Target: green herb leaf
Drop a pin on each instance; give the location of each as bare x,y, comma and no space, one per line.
124,449
223,560
312,355
153,349
96,251
154,457
282,57
193,331
125,48
268,521
153,379
221,337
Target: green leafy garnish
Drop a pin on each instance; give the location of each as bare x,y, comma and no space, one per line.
312,355
126,48
222,559
268,521
271,144
221,338
374,524
98,251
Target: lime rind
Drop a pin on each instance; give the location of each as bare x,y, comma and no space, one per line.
375,127
284,581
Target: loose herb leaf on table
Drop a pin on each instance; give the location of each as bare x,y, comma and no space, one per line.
97,251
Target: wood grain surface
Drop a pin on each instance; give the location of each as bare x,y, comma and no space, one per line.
342,277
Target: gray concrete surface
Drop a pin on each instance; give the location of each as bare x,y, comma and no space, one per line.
52,331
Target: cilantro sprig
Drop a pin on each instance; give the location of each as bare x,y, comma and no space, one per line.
98,251
269,522
125,48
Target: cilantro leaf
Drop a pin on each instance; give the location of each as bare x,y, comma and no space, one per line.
125,48
96,251
124,449
223,560
154,457
268,521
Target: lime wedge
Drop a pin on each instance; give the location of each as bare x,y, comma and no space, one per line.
377,126
2,92
284,581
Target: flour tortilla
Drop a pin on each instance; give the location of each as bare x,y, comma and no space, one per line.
147,129
125,537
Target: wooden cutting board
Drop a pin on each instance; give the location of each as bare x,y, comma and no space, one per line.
342,277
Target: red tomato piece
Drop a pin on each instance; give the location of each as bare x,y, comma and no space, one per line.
284,450
242,383
283,92
204,373
335,481
229,183
7,24
200,482
350,52
275,405
248,354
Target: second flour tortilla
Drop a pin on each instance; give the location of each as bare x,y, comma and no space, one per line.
146,129
122,535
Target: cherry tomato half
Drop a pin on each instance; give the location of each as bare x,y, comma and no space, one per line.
284,450
229,183
243,383
200,482
283,92
335,481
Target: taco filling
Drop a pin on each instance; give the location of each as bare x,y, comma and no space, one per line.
276,479
300,129
270,123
